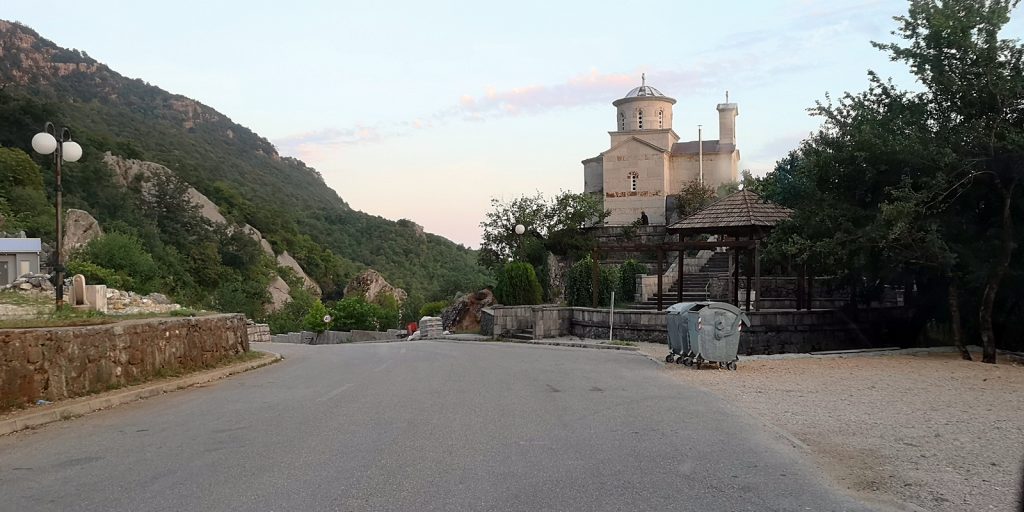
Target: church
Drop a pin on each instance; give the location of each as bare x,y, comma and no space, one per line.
646,164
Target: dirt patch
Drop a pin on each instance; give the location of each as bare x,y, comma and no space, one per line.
927,429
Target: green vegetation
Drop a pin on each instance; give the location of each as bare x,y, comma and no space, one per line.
198,264
354,313
518,285
433,308
627,279
921,189
579,284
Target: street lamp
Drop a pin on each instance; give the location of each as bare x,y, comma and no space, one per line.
45,143
520,229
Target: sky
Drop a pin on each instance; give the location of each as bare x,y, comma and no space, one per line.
428,110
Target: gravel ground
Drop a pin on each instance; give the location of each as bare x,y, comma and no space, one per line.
926,429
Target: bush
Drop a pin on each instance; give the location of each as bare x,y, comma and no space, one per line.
356,313
518,285
315,318
95,274
627,278
433,308
579,284
292,317
124,255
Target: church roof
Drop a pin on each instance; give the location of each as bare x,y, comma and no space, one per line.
710,146
741,211
643,90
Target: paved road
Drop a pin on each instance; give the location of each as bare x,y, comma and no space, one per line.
418,426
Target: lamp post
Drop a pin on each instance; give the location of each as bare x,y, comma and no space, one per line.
66,150
520,229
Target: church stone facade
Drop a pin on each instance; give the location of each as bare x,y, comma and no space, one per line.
646,163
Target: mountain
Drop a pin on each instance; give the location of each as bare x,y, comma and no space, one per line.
282,197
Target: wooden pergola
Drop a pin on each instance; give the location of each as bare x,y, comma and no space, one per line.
743,216
746,218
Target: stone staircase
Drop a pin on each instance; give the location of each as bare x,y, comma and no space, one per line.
695,284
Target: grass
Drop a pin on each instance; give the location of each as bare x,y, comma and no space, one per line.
25,299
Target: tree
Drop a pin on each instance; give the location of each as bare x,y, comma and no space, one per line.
918,187
693,197
518,285
556,225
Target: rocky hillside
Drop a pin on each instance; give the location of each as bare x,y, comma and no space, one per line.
281,198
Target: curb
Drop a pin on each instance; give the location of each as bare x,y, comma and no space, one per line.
565,344
73,410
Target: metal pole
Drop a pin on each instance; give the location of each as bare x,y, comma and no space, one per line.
58,155
700,152
611,319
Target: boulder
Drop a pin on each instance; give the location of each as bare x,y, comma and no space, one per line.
464,314
79,229
371,285
279,294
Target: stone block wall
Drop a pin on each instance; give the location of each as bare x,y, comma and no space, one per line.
66,362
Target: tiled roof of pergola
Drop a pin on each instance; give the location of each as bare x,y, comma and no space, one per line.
741,211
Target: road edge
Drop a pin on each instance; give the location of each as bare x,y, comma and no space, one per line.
60,412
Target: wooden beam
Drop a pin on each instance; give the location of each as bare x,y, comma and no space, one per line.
676,246
661,255
757,277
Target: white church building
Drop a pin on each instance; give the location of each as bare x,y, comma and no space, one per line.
646,163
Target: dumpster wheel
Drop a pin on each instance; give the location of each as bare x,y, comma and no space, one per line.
670,358
731,366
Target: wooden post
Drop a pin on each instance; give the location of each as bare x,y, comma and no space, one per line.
682,271
757,276
736,276
661,255
746,265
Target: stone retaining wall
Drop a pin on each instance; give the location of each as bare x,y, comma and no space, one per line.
65,362
773,332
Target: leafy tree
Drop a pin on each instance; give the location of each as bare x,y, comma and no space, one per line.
518,285
25,205
315,318
354,313
291,317
579,283
693,197
627,278
557,225
918,187
124,257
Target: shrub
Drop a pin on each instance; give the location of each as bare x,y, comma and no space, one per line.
579,284
315,317
355,313
95,274
292,317
433,308
627,278
518,285
124,255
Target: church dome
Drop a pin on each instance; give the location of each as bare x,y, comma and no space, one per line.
643,90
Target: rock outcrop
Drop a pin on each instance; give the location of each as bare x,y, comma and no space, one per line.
371,285
127,171
285,260
464,314
79,229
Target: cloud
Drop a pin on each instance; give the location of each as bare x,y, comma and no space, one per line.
315,145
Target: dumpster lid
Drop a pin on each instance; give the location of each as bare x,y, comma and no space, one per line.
683,307
730,308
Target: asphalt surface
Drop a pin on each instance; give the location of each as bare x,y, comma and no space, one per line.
419,426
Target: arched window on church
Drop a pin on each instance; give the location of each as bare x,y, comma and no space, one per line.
640,119
622,121
633,177
661,118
